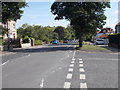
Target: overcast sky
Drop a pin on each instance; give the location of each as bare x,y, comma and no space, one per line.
38,13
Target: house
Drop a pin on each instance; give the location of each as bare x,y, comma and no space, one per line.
12,32
102,34
117,28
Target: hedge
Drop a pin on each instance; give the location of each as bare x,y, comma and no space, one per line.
114,40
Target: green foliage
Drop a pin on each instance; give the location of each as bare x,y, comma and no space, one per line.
84,17
38,42
12,10
60,31
115,38
46,34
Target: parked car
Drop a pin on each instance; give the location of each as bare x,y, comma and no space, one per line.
99,41
55,42
65,41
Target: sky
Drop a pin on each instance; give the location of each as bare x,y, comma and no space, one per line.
38,13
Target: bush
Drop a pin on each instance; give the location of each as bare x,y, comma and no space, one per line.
38,42
114,40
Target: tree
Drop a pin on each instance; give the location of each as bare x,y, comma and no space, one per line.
60,31
84,17
12,10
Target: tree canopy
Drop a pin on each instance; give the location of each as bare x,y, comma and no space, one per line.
84,17
45,33
12,10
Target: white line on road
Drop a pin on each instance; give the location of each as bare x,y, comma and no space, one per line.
83,85
4,63
70,69
80,65
73,59
82,76
42,83
71,65
82,70
74,54
72,62
69,76
80,61
100,59
67,85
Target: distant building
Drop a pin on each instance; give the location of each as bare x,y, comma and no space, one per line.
12,32
117,28
102,34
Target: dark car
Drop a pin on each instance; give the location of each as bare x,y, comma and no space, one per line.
55,42
65,41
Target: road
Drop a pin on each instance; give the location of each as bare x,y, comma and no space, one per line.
60,67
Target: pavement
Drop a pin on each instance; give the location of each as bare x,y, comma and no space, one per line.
60,67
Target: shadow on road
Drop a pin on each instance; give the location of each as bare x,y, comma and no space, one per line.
49,48
111,48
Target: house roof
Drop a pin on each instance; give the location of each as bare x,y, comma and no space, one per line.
102,36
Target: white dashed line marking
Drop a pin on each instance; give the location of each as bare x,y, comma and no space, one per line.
73,59
70,70
67,85
80,65
82,76
80,61
71,65
83,85
72,62
69,76
82,70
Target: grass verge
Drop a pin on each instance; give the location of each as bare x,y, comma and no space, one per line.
91,47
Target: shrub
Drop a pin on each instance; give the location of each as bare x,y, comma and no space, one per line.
114,40
38,42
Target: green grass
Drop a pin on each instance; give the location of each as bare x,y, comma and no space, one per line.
91,47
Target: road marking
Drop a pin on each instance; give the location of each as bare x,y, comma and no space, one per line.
70,70
42,82
73,59
71,65
80,61
4,63
80,65
67,85
72,62
82,76
100,59
82,70
69,76
83,85
74,54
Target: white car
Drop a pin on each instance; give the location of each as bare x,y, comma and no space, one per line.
99,41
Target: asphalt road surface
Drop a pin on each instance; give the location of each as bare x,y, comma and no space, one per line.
60,66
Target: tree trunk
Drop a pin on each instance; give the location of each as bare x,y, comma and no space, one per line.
80,40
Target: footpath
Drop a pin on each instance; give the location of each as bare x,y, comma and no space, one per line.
15,50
